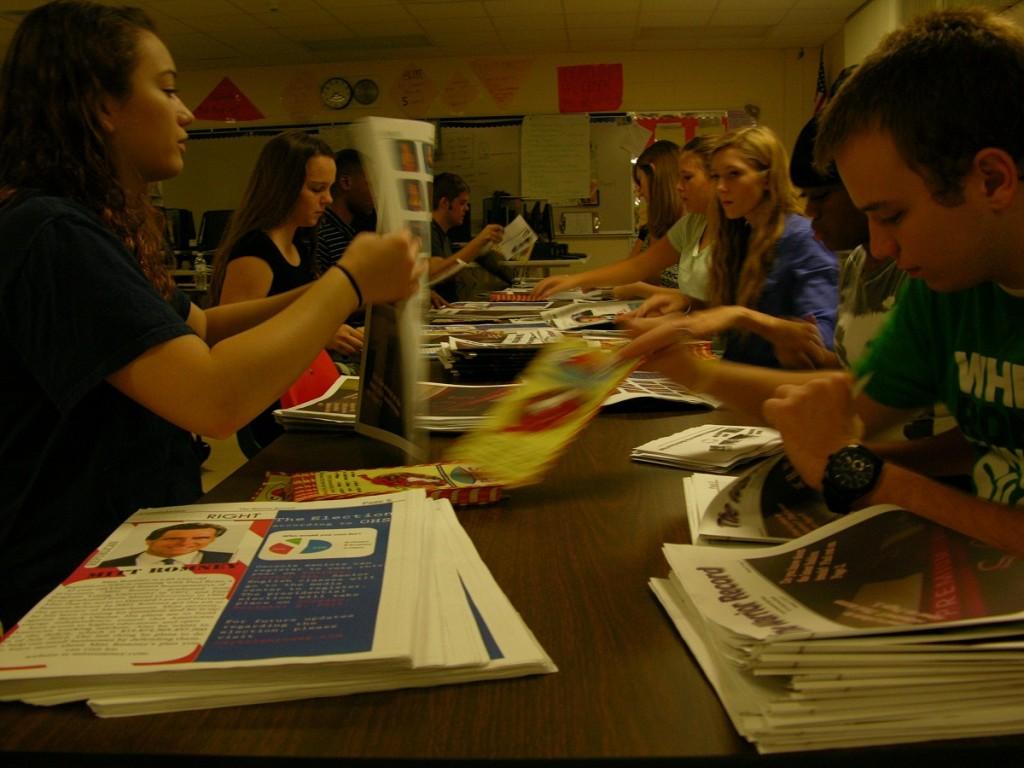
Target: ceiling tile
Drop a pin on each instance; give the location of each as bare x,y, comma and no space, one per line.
514,38
678,5
674,18
601,6
465,27
758,17
539,21
446,10
601,20
497,8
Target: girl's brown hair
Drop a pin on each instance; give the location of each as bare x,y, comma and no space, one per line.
65,57
660,164
274,186
744,250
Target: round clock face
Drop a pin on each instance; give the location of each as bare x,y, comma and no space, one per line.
336,93
366,91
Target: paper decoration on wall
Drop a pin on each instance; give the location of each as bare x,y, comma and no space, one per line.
501,77
590,88
227,103
414,91
555,156
300,96
459,92
681,128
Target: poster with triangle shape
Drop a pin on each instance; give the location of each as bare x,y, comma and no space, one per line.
227,103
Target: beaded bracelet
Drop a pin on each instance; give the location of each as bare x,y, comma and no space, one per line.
352,280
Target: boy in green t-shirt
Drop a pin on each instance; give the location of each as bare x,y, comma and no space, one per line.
928,137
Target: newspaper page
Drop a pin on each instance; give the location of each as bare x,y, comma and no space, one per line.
184,590
398,156
517,241
769,503
876,571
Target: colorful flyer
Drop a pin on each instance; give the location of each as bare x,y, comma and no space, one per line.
528,429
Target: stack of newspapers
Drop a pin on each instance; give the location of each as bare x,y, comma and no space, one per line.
492,354
710,448
227,604
878,628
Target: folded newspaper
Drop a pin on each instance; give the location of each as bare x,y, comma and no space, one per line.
878,628
710,448
767,504
226,604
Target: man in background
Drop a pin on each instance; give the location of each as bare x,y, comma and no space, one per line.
450,203
351,211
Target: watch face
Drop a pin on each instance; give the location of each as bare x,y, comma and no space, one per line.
853,469
336,93
366,91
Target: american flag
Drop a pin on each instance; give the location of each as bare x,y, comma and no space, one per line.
821,87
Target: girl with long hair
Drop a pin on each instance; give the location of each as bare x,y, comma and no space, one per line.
682,242
270,244
767,268
108,368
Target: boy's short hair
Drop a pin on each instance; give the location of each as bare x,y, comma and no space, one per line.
348,163
944,87
447,185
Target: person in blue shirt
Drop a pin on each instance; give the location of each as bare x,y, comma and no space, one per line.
767,268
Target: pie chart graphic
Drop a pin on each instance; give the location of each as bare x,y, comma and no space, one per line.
299,546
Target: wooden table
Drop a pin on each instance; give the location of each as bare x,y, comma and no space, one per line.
573,554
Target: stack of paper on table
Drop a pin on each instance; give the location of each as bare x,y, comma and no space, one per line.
495,353
710,448
311,600
767,504
489,312
450,407
878,628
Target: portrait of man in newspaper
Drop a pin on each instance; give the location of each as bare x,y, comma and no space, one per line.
177,544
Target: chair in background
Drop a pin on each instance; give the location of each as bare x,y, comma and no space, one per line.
211,230
179,231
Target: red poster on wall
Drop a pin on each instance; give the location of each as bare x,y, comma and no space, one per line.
227,103
590,88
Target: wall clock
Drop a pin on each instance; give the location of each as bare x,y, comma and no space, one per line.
336,93
366,91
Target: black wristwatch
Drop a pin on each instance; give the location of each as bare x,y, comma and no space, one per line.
850,474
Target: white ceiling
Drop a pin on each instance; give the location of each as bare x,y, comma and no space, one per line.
216,34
